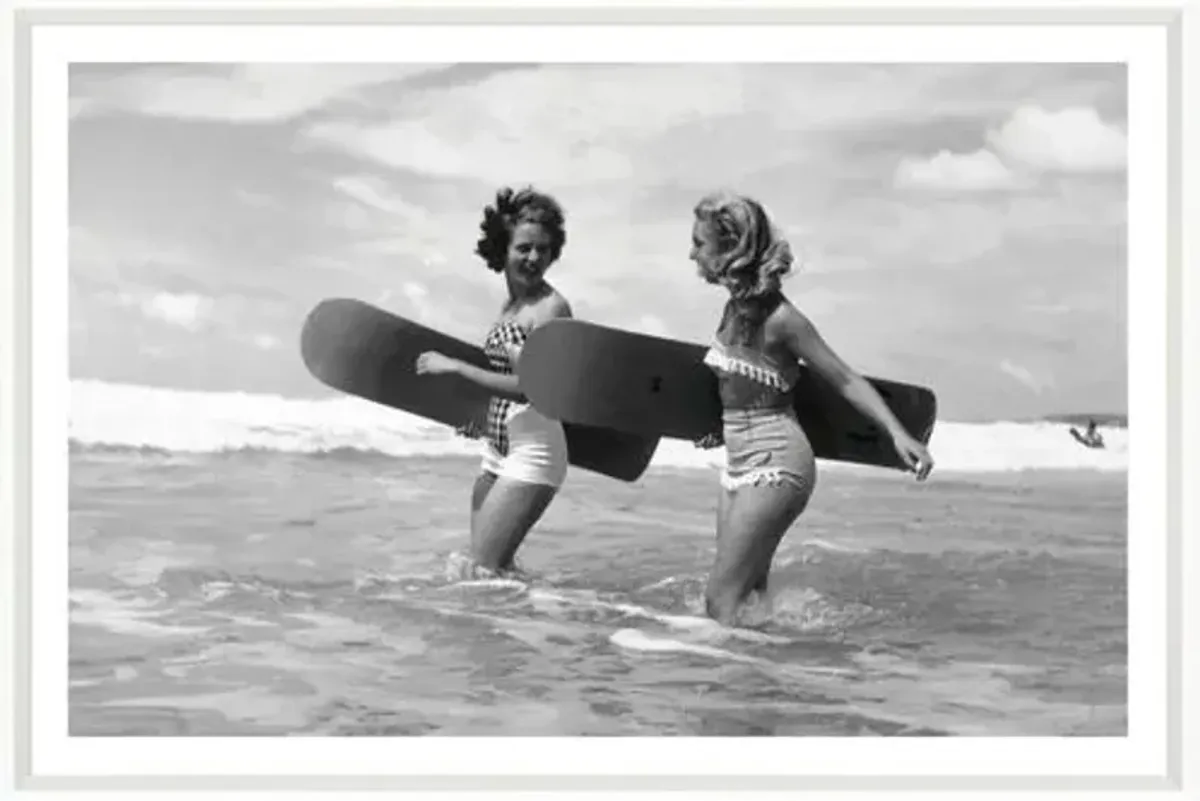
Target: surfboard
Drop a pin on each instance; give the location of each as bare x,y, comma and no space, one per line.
651,386
370,353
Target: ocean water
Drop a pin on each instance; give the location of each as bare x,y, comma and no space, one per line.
285,567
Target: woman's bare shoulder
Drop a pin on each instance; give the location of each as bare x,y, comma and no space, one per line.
555,304
786,321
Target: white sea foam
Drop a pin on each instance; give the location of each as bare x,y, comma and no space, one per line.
206,422
121,415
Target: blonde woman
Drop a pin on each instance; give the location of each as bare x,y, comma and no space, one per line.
770,471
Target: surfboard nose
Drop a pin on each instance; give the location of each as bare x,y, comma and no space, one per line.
326,334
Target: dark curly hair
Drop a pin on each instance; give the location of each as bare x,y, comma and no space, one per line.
510,210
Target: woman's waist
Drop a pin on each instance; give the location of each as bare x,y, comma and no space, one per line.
508,405
753,396
759,423
758,413
508,408
751,433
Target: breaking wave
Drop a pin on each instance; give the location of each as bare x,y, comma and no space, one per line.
124,416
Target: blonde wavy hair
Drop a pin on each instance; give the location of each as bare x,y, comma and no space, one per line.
754,256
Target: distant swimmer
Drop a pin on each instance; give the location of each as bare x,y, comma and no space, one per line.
1090,438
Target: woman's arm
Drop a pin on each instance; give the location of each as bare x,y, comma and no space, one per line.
805,343
499,384
503,385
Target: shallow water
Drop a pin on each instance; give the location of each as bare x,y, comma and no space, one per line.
271,593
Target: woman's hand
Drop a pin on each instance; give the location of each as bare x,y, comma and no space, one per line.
470,430
913,454
433,363
708,441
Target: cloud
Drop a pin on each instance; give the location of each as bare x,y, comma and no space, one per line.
252,93
942,232
383,222
267,342
430,147
1024,376
91,248
1070,140
277,217
114,264
980,171
653,325
616,125
1031,141
415,292
556,124
188,311
375,194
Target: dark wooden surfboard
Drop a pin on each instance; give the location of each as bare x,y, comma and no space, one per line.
650,386
365,351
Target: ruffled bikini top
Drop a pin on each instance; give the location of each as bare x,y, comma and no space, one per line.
749,379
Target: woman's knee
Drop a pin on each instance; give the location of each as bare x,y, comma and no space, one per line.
513,509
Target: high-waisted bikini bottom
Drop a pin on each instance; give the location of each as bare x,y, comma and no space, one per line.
766,447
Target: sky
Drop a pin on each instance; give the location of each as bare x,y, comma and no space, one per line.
962,227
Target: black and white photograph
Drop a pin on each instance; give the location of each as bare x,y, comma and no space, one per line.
373,529
526,392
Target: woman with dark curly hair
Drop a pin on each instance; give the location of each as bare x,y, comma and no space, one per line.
770,471
525,453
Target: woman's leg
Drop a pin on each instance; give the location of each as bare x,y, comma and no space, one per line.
483,485
767,555
525,482
750,527
507,511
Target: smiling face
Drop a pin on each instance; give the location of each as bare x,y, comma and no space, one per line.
529,256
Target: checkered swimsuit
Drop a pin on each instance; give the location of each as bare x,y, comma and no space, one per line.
503,335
